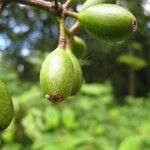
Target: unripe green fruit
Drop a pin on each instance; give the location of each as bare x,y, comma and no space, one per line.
89,3
6,107
78,77
56,76
107,21
78,47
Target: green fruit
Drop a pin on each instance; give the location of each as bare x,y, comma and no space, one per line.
6,107
56,75
89,3
78,47
78,77
107,21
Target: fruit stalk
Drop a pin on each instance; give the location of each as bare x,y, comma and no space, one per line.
70,13
74,27
67,3
62,38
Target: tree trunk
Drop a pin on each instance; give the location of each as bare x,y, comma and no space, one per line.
132,77
132,86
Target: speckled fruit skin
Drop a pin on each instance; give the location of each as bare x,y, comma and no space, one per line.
78,47
56,76
78,76
89,3
6,107
107,21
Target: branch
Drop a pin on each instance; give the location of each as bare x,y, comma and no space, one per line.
3,4
53,6
46,5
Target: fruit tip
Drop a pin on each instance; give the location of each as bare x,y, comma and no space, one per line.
55,98
134,24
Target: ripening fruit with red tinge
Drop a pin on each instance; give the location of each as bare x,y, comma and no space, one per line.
6,107
56,76
107,21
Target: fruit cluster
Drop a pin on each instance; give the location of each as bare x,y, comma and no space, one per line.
61,73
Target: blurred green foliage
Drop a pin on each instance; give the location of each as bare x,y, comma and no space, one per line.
134,62
90,120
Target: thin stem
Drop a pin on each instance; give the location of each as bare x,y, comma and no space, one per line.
67,3
70,13
62,38
68,33
74,27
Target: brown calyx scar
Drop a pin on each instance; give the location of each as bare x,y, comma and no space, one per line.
134,24
55,98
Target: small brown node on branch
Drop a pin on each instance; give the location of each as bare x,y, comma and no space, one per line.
56,7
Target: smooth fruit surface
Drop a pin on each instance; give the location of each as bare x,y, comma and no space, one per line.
56,76
89,3
6,107
107,21
78,47
78,77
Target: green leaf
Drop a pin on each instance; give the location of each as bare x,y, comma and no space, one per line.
12,146
133,142
51,118
68,118
9,133
134,62
96,89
